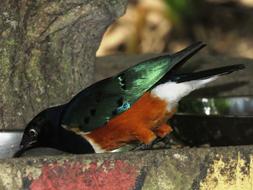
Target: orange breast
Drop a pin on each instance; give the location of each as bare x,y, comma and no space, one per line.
137,123
148,110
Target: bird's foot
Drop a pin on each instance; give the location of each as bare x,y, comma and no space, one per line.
146,146
169,141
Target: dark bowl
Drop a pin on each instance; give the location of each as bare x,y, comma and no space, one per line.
215,121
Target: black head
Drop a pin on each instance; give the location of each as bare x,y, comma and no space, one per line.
42,130
45,130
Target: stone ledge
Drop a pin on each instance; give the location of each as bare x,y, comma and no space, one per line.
201,168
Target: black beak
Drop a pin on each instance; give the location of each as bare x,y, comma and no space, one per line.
19,152
24,148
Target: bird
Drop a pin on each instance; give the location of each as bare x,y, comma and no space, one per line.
131,106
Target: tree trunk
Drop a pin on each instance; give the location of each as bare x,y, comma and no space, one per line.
47,52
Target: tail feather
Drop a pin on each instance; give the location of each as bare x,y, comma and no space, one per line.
172,92
181,85
179,58
206,73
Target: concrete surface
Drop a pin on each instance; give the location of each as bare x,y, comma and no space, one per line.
199,169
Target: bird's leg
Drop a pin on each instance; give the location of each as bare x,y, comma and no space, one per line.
144,135
163,130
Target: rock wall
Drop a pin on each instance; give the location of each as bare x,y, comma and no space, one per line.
47,52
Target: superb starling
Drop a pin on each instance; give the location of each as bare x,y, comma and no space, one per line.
132,106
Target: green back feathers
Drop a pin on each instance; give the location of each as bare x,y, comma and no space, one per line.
100,102
138,79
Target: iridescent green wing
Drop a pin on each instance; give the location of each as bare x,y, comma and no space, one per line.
105,99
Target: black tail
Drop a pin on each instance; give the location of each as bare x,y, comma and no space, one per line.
179,58
206,73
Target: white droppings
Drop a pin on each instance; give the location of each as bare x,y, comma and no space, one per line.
180,157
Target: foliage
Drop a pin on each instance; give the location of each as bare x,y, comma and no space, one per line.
181,11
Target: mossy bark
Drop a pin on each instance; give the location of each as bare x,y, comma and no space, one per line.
47,52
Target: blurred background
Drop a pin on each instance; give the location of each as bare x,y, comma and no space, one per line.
156,26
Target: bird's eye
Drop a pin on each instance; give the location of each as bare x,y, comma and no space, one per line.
33,133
